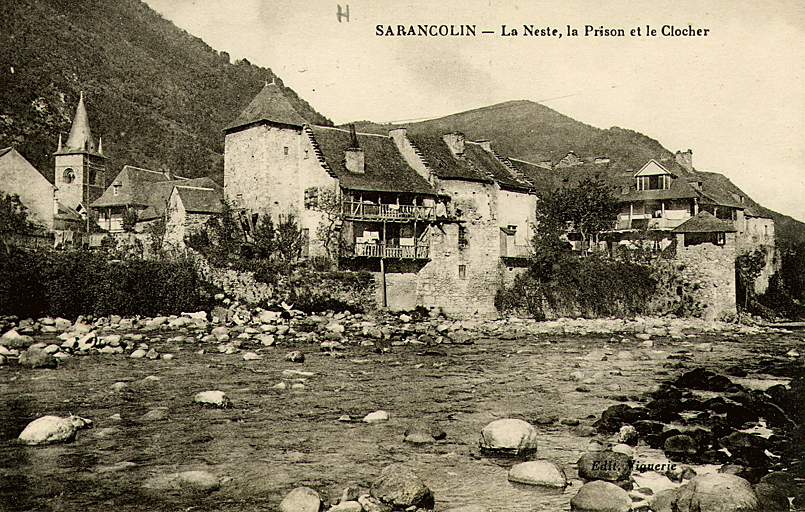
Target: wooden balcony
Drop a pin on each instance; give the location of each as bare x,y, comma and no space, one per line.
388,212
409,252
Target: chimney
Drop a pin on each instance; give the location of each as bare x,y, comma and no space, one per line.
398,135
354,159
485,145
685,159
455,141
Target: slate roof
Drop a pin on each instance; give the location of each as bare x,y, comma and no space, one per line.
494,167
443,163
385,168
270,105
704,222
200,199
4,151
133,187
80,138
541,178
147,189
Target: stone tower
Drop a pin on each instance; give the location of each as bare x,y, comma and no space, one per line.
80,165
265,150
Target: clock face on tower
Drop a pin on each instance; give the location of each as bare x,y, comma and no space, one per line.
68,176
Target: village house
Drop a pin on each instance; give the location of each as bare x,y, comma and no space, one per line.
424,215
144,195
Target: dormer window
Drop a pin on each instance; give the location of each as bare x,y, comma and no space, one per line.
657,182
116,189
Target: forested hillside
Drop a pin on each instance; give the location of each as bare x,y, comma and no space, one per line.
157,95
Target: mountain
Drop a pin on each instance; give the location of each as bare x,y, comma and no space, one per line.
533,132
158,96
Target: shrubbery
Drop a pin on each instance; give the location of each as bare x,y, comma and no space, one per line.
68,284
590,287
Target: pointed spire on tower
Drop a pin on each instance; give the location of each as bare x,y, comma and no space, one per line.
100,145
58,149
80,138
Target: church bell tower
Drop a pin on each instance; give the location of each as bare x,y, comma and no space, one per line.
80,165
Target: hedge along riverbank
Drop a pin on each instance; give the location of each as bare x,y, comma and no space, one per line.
67,284
591,287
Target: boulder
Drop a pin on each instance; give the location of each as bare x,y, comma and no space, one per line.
212,399
376,417
538,472
52,429
301,499
600,496
13,339
138,354
509,436
423,431
680,447
605,465
771,498
295,356
37,358
717,492
664,500
347,506
400,487
185,482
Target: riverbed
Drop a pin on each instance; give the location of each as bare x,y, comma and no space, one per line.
272,440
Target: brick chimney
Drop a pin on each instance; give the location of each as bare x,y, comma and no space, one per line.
455,141
354,159
685,159
485,145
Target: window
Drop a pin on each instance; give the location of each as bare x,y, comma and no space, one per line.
311,197
68,176
659,182
462,271
462,236
307,154
721,239
285,150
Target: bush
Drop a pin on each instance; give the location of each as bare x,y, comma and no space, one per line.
590,287
69,284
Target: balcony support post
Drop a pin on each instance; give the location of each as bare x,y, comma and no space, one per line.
384,301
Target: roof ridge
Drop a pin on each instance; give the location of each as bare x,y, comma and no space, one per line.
348,131
190,187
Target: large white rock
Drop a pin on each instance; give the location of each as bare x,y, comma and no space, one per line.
212,398
301,499
52,429
376,417
538,472
717,492
509,436
600,496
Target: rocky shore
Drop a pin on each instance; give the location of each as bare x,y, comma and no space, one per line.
672,446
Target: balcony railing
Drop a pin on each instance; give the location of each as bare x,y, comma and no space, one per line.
419,252
391,212
662,223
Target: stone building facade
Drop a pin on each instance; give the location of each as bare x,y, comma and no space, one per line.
445,222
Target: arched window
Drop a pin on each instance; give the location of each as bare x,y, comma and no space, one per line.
68,176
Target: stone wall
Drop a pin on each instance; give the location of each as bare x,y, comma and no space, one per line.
758,233
705,275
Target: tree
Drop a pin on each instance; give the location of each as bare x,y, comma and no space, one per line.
265,237
14,219
329,228
289,239
588,208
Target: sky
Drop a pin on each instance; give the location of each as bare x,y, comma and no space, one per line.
736,97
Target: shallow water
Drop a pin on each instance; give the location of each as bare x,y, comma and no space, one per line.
272,441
